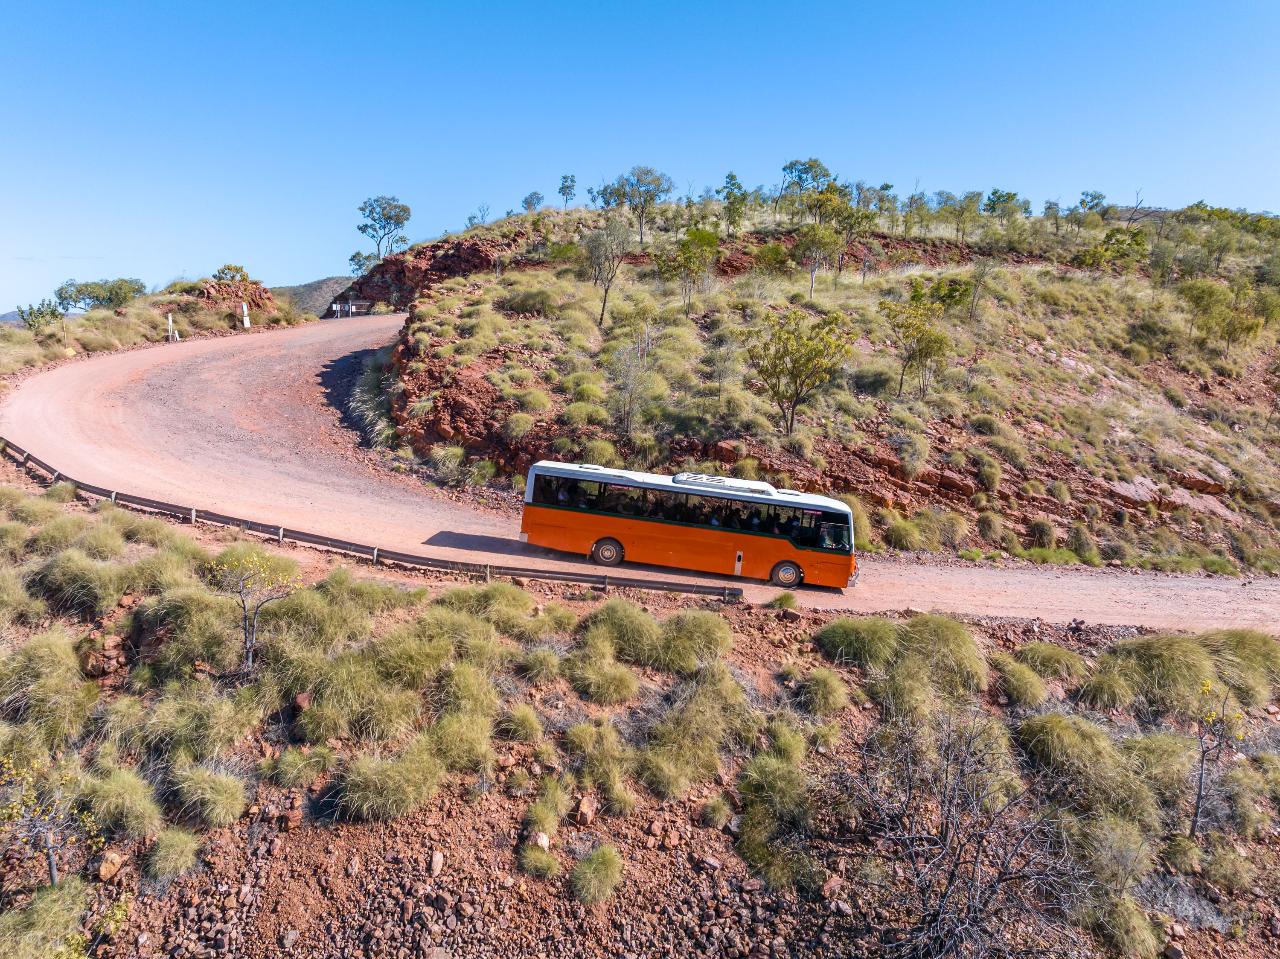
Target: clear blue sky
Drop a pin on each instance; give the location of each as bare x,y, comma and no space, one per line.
160,140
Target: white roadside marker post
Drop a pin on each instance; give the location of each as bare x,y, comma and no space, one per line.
244,308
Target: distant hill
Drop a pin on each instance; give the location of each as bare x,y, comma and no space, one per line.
10,318
314,297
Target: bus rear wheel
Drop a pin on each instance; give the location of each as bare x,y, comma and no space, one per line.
786,574
607,552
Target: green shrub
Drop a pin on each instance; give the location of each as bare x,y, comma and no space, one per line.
1114,850
955,662
1018,682
57,534
633,633
687,641
532,400
861,524
784,600
212,798
462,741
1247,661
905,689
196,721
42,686
684,746
1052,661
716,812
540,665
551,806
1182,855
902,533
200,628
517,426
74,584
535,302
521,723
48,926
1169,672
1227,869
594,672
984,424
123,801
870,642
913,453
823,692
1108,688
299,767
1245,789
990,527
988,472
584,414
1128,931
387,788
1041,534
596,875
1164,761
16,604
101,541
1086,767
175,852
538,862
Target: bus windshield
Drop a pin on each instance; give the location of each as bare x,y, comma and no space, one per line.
804,526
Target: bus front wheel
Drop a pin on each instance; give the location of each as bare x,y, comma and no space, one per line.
786,575
607,552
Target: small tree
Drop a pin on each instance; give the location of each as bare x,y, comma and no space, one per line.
103,294
733,195
641,189
255,579
232,273
568,188
1216,728
385,217
688,262
920,343
607,248
793,356
38,317
940,805
38,809
532,201
854,224
816,248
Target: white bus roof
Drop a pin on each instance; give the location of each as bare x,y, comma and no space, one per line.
725,487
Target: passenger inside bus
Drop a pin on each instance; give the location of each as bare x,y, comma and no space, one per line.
805,527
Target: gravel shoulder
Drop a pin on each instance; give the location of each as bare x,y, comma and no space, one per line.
251,426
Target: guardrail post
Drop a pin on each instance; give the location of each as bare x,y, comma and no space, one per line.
113,497
193,516
280,537
25,457
56,474
605,578
375,556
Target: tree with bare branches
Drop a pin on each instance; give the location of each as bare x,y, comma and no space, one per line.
941,801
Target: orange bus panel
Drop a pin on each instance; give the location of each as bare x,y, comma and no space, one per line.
728,552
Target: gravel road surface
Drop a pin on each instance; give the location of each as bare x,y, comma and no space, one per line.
251,425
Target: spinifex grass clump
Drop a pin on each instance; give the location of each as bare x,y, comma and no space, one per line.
1170,673
209,797
597,875
1086,769
123,801
1019,683
603,761
174,853
372,787
776,809
685,745
41,685
1051,661
595,673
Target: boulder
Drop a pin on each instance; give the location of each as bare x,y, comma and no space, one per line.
1193,479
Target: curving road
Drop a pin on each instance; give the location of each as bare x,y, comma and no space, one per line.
249,425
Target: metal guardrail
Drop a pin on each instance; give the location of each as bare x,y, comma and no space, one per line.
193,514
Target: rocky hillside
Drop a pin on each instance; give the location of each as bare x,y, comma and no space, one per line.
433,768
314,297
1074,415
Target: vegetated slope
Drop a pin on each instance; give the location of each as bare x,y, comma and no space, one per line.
197,307
1074,415
532,769
314,297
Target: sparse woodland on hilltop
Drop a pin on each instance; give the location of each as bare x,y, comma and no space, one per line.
105,315
1089,384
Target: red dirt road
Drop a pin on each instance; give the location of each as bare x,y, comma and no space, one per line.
249,425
